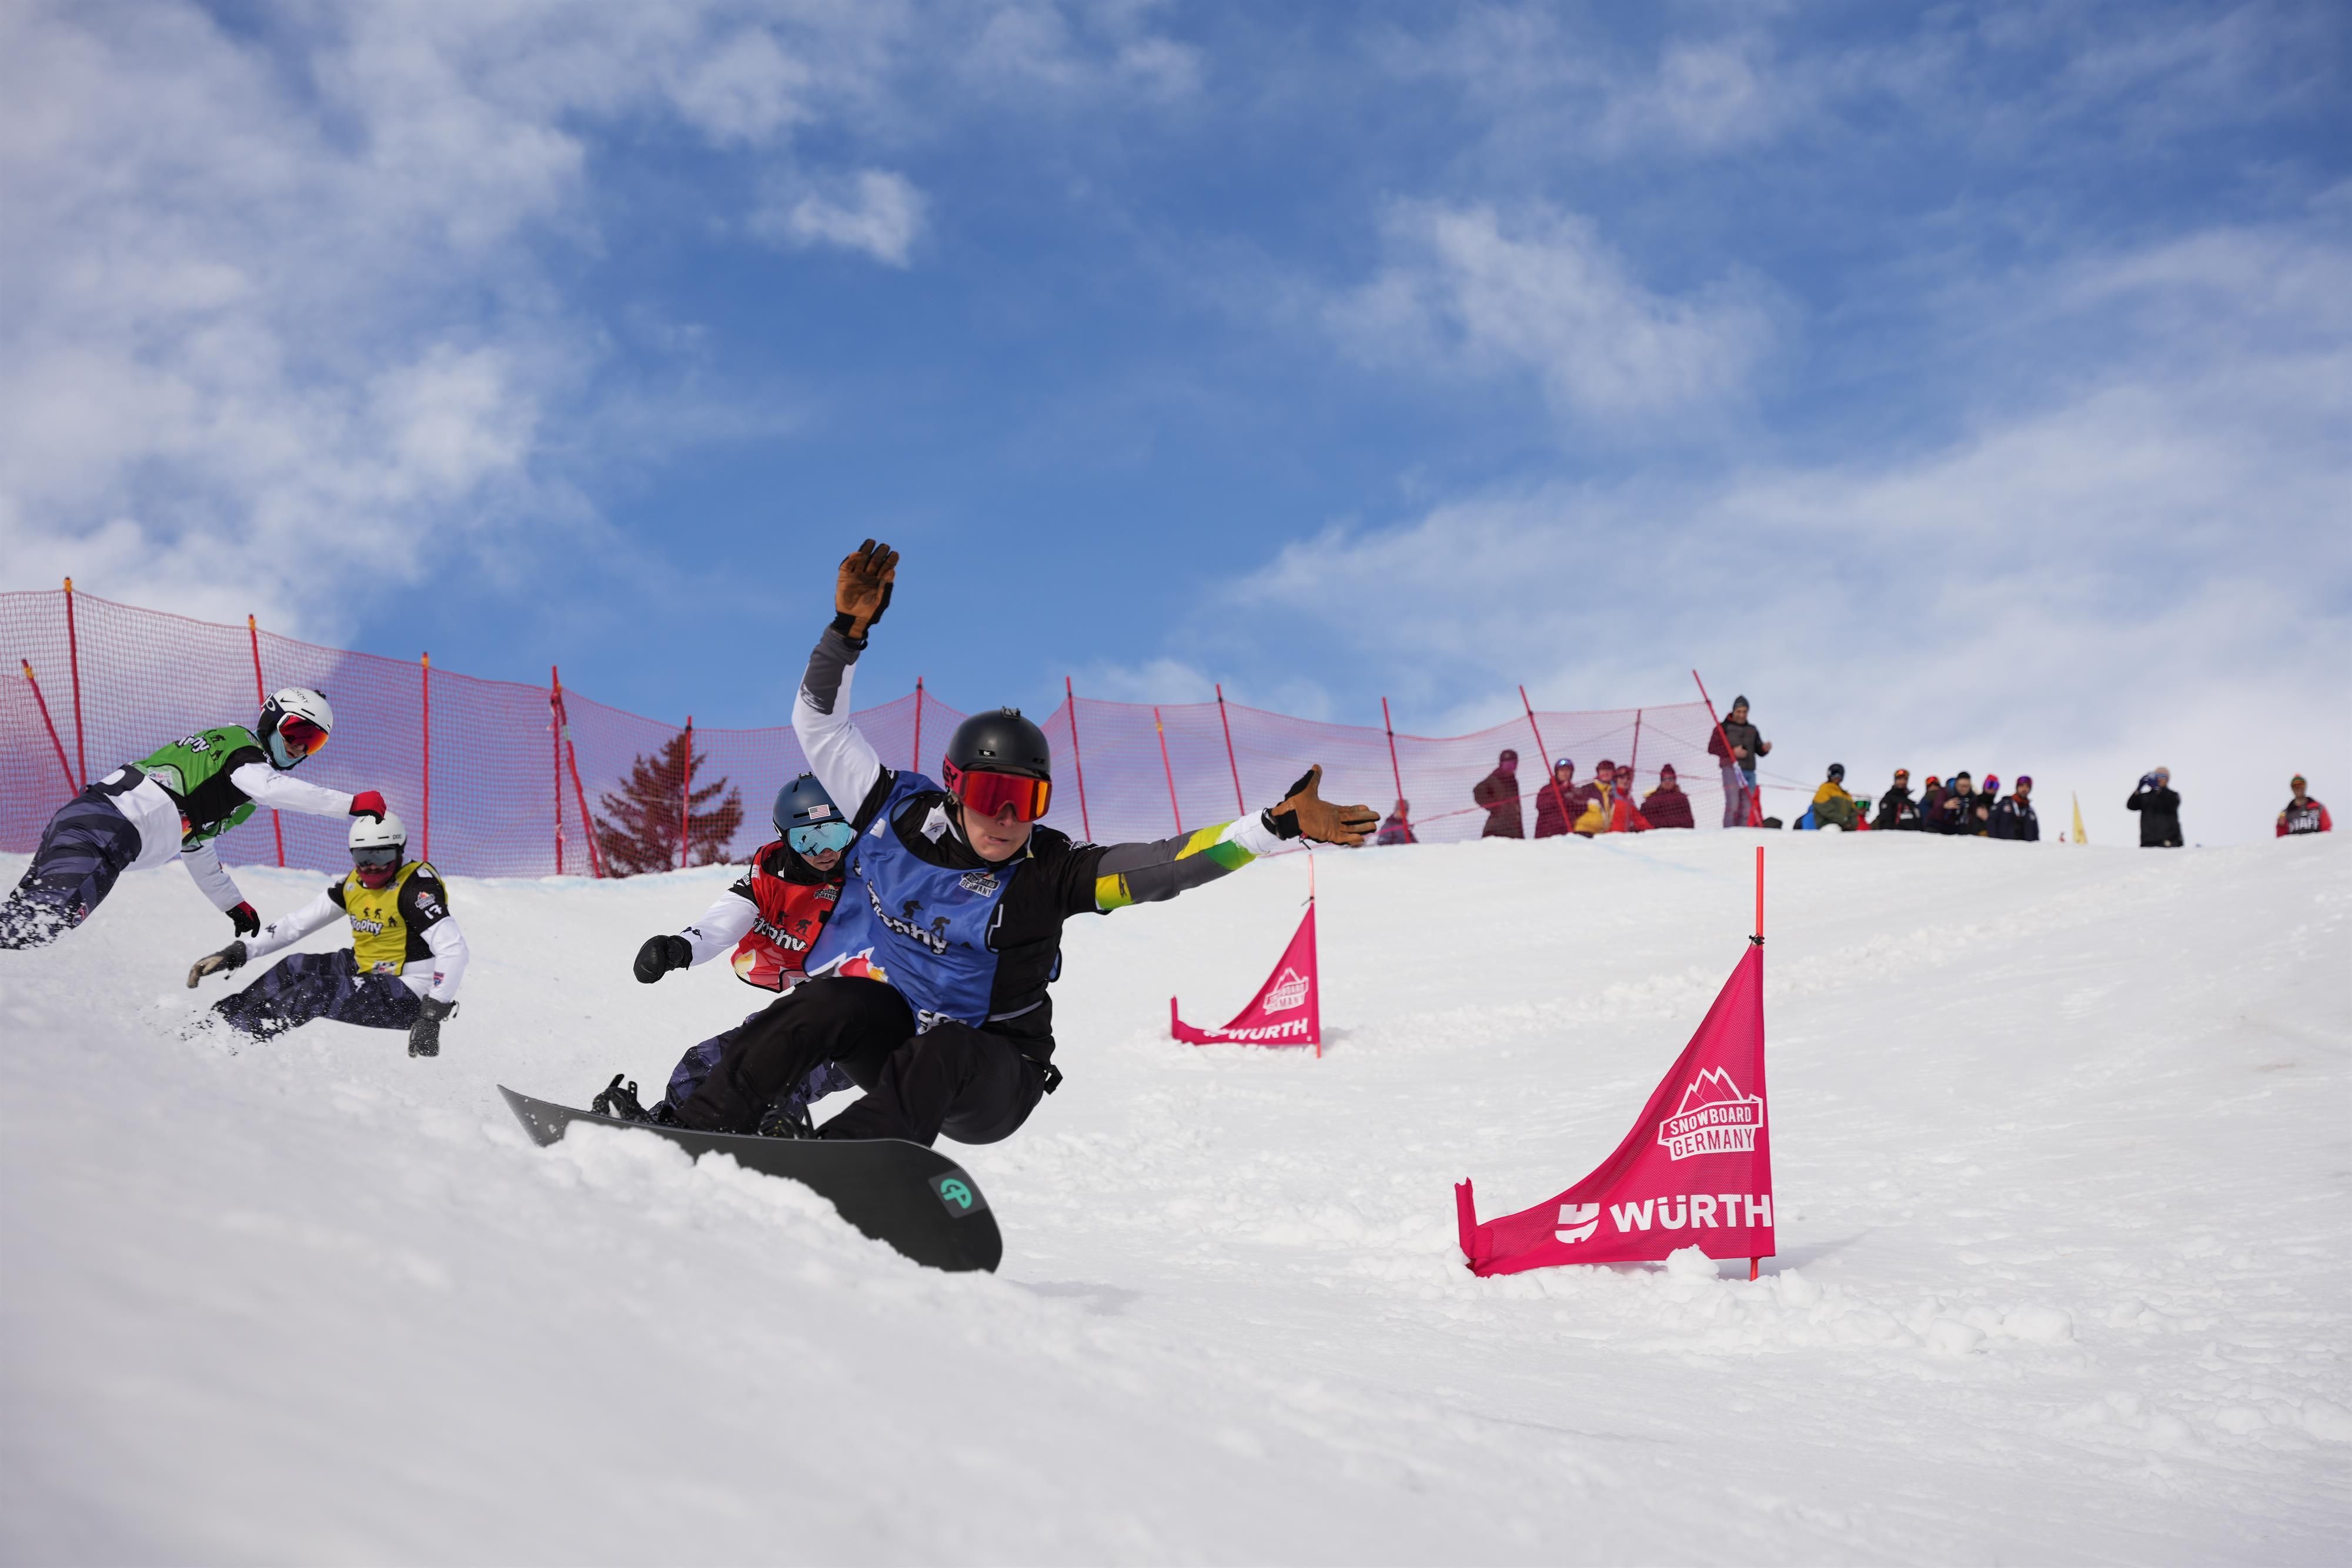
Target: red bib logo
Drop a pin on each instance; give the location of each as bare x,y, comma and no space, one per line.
1715,1119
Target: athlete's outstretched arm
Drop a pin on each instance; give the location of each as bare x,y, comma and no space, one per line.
288,929
1149,872
265,786
844,761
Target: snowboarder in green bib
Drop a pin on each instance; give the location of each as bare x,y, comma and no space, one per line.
173,803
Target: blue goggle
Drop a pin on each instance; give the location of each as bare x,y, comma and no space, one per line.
824,836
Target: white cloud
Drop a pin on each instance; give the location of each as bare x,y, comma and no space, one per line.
875,212
278,302
1080,52
1538,292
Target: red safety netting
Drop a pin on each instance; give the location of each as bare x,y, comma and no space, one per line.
496,782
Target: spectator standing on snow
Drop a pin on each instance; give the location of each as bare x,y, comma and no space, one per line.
1555,800
1607,808
1396,828
2159,811
1976,822
1931,805
2012,816
1833,806
1896,808
1499,793
1737,743
1959,801
2303,814
1666,806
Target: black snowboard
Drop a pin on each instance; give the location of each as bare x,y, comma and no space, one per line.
915,1199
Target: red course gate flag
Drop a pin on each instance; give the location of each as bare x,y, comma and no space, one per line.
1695,1171
1287,1008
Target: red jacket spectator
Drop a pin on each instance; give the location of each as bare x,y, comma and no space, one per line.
1560,794
1666,806
1499,793
2303,814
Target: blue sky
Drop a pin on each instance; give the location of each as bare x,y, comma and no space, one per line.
1968,384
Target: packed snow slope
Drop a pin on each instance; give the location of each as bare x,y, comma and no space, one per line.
2065,1209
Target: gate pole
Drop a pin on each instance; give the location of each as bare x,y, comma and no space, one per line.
1394,771
916,766
555,755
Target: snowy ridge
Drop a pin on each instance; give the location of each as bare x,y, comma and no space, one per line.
2061,1138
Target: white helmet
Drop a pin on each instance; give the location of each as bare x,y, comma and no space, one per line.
378,849
310,719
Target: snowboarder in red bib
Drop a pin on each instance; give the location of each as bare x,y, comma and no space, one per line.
171,805
952,912
2303,814
767,923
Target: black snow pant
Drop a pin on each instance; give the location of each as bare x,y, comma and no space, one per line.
305,986
825,1078
974,1086
87,845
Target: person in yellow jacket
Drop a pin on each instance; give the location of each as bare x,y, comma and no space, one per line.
401,971
1833,806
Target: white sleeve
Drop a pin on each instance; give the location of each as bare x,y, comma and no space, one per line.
449,956
288,929
723,925
844,760
204,865
265,786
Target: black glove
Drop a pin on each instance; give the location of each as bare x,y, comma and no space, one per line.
230,957
660,955
244,920
424,1034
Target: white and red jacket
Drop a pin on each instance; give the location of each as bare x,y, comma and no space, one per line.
2306,816
770,918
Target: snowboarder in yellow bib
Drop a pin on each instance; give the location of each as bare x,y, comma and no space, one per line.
401,971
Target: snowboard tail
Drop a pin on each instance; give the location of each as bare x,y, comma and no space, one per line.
913,1199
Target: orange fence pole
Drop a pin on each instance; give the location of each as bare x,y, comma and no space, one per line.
1231,761
261,698
918,764
58,746
685,797
1394,771
1551,775
73,657
1078,759
1174,810
555,755
424,685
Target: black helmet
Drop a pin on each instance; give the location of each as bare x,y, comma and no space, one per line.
1000,742
803,803
1837,770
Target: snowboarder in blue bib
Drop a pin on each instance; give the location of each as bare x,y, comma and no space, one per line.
929,987
172,804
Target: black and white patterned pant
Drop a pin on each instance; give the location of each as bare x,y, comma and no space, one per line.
305,986
87,845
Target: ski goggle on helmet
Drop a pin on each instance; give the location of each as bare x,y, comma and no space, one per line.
808,820
997,760
294,724
378,850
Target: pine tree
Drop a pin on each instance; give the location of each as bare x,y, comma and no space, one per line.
639,831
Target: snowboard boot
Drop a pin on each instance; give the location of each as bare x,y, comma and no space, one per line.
787,1118
619,1101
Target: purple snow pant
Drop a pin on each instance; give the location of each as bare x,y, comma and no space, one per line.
305,986
1738,790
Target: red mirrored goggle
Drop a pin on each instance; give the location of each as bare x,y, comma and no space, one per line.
302,737
990,793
